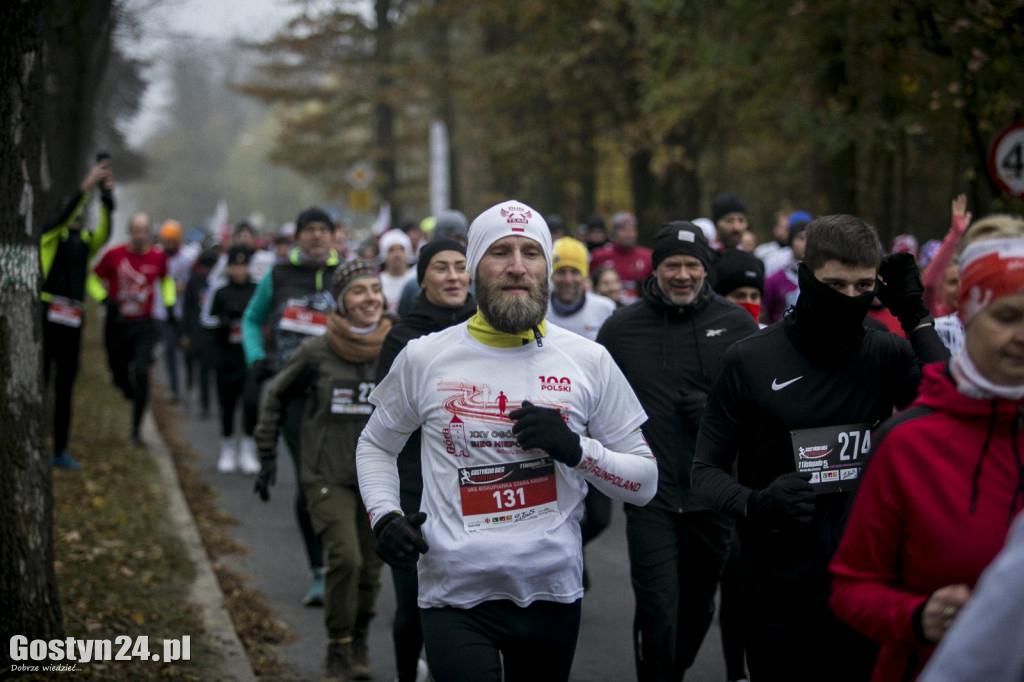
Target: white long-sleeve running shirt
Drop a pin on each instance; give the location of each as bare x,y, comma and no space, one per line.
502,523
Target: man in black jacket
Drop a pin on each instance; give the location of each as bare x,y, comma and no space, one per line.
444,301
809,388
668,344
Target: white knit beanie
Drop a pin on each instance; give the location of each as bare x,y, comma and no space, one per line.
392,237
508,219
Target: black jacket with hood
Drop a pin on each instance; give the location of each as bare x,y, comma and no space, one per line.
423,318
670,355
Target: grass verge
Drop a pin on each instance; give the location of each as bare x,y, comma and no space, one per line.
121,570
257,626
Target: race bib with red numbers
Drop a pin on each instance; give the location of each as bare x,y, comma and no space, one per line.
235,331
302,320
498,496
65,311
133,305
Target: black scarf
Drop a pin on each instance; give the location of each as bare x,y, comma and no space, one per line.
827,326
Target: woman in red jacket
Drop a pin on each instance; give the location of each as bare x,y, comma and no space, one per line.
946,477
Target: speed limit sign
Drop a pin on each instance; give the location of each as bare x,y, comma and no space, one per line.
1006,159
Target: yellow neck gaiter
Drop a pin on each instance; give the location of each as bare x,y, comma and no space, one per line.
481,330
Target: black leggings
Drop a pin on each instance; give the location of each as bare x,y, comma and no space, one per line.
130,345
61,346
406,630
230,382
199,370
730,614
537,642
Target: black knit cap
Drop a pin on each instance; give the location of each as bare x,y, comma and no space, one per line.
555,223
726,203
735,269
208,257
313,215
681,237
239,254
431,249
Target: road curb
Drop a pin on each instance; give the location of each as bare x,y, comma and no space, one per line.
232,663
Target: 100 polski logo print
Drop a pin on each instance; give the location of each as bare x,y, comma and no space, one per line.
122,648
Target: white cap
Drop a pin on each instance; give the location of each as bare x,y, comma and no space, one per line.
508,219
707,227
392,237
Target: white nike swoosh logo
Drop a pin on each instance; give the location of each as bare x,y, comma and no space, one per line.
776,386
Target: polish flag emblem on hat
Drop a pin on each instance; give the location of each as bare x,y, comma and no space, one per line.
516,215
506,219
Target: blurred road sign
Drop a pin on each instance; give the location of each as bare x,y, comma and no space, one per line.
360,199
359,175
1006,159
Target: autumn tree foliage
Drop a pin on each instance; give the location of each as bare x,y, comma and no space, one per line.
882,108
92,88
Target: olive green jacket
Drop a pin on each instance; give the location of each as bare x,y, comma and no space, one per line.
335,393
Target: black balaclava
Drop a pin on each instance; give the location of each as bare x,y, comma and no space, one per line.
827,326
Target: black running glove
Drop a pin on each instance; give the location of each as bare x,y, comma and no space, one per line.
902,291
266,477
261,370
543,428
400,540
787,499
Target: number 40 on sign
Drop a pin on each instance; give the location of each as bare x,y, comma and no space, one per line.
1006,159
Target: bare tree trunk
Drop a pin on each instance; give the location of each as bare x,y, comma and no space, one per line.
28,586
446,108
835,172
384,111
643,185
678,191
587,204
78,40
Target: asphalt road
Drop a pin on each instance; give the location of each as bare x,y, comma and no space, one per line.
276,566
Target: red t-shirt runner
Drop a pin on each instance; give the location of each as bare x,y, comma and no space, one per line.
132,279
